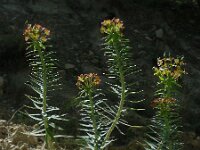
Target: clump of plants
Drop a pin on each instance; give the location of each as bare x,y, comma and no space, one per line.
165,127
44,79
99,115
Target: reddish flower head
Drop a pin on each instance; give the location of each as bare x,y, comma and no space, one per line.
162,101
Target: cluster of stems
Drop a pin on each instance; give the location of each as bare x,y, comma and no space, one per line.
169,70
116,50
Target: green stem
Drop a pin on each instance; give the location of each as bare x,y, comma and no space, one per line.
166,127
94,124
119,111
122,99
48,138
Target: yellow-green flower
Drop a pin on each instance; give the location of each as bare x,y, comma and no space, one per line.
88,81
36,33
169,67
112,26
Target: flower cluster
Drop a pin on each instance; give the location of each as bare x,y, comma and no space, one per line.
88,81
112,26
170,67
160,101
36,33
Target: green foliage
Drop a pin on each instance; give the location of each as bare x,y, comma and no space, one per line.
120,68
99,119
94,121
43,80
165,134
165,125
169,70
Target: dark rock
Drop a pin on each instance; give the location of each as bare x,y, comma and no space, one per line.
159,33
1,85
69,66
88,68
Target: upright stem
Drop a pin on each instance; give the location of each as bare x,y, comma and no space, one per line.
119,111
166,128
48,138
94,124
122,99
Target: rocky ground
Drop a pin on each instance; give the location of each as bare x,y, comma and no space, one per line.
15,137
151,27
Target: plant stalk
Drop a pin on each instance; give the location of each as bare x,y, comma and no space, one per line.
119,111
48,137
94,124
123,96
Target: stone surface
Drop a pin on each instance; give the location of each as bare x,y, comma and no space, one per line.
159,33
191,140
69,66
88,68
1,85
